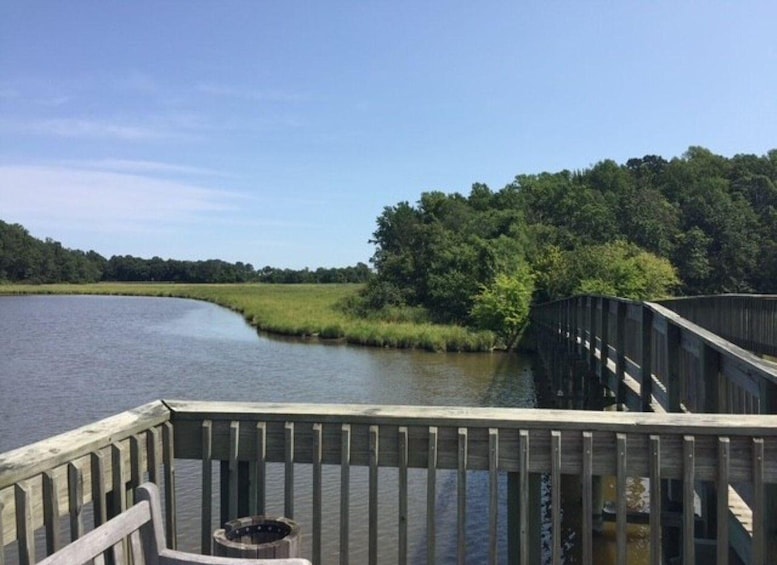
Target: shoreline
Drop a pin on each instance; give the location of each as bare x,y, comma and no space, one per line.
304,312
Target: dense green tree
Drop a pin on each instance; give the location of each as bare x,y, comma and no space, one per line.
503,305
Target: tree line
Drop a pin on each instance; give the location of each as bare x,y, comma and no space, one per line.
24,258
696,224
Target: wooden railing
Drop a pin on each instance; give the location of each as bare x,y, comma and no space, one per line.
87,474
656,360
748,320
652,359
521,444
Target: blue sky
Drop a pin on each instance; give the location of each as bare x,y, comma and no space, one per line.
275,132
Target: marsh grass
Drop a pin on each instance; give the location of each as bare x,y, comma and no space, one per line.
298,310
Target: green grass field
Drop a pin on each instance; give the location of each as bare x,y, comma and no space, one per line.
293,310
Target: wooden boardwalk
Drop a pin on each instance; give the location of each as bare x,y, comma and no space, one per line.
686,368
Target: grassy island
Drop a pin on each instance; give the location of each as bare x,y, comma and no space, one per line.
312,311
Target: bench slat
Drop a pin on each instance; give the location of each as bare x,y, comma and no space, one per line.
94,543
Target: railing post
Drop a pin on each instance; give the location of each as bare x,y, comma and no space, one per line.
580,309
710,370
604,338
673,338
591,333
620,346
646,364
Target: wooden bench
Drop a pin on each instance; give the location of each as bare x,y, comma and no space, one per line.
139,533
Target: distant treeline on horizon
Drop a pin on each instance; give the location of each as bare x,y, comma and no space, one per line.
700,223
26,259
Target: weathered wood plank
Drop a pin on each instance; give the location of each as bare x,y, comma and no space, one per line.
689,478
461,498
234,450
75,494
154,455
555,495
36,458
431,496
25,532
92,544
259,484
621,447
317,491
493,495
724,450
50,512
372,533
168,450
524,460
655,501
759,527
474,417
288,481
402,502
206,516
345,489
100,513
588,509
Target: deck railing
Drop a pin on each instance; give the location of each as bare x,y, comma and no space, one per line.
652,359
748,320
656,360
54,479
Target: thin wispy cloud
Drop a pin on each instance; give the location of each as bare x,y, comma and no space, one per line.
248,94
78,128
142,167
107,201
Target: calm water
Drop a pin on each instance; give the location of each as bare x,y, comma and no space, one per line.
68,361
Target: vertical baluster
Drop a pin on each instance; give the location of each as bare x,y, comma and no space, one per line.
25,534
373,496
555,494
402,480
620,353
588,495
317,496
259,484
431,497
98,494
136,462
207,487
345,491
523,464
689,476
759,493
117,478
620,517
724,450
98,488
646,363
493,491
75,497
168,456
50,512
461,521
234,447
118,495
655,500
288,481
152,451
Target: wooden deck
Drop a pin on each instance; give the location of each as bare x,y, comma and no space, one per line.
58,477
